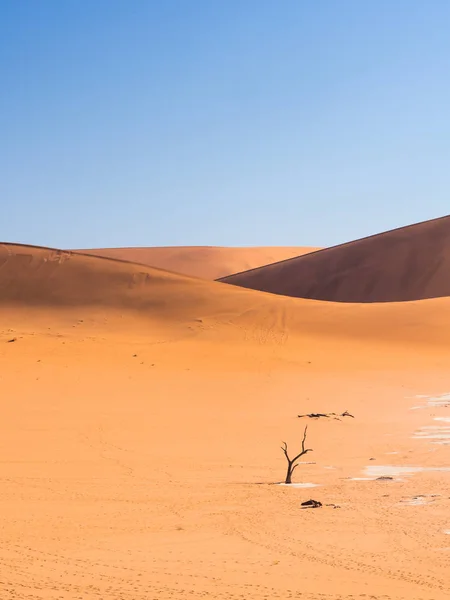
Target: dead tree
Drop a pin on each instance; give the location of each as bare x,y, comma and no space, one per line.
292,464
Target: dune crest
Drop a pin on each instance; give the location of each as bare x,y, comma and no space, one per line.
206,262
409,263
37,278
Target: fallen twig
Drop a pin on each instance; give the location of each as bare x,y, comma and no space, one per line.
327,415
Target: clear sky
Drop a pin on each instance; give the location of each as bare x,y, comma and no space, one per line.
221,122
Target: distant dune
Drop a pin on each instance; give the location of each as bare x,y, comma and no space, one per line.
35,277
410,263
207,262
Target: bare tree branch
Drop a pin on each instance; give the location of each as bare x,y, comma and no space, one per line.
284,448
304,451
304,438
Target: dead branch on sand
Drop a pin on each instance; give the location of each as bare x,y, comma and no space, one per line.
327,415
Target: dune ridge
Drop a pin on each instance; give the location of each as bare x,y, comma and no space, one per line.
36,277
206,262
403,264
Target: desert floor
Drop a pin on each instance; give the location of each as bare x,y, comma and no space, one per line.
140,447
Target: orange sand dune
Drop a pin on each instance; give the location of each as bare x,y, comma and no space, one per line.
207,262
410,263
142,416
40,277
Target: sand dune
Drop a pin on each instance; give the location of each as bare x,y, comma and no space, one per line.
410,263
34,277
142,414
207,262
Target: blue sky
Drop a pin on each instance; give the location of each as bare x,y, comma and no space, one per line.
237,122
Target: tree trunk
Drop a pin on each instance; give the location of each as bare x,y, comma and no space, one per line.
289,474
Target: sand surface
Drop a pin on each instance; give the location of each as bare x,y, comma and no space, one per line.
410,263
142,416
206,262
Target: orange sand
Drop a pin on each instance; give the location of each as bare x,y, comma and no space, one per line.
207,262
142,414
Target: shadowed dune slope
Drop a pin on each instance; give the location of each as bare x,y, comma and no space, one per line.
207,262
410,263
37,278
